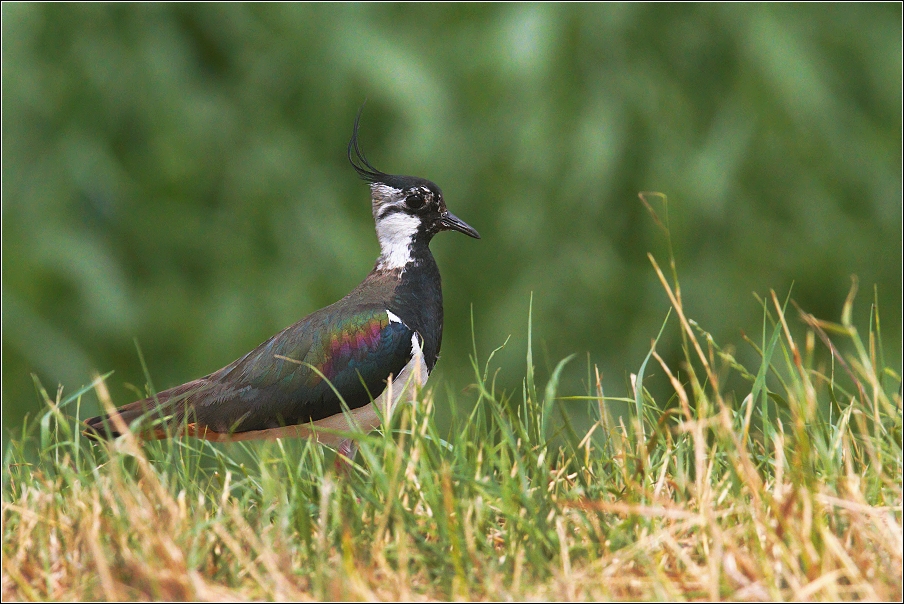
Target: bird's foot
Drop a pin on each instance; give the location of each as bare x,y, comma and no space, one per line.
345,457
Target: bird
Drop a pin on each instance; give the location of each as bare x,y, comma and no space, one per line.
339,369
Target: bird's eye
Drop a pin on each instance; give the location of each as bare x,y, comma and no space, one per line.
414,201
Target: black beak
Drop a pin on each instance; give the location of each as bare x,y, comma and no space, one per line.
450,222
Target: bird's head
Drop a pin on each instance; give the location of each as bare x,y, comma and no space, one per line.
407,209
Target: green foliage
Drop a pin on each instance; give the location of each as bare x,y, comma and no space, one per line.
175,173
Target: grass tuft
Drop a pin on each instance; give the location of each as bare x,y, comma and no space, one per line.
789,488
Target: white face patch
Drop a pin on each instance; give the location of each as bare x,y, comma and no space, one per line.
396,233
384,197
393,318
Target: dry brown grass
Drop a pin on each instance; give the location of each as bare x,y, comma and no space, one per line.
793,494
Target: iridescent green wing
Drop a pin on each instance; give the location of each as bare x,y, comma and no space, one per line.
287,379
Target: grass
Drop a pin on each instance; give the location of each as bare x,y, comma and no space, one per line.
786,488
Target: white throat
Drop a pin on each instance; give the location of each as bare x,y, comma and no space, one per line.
396,233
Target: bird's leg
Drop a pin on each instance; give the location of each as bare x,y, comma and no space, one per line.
345,457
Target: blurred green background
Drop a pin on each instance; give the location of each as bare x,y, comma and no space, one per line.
177,174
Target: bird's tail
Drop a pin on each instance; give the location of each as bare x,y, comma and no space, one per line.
157,414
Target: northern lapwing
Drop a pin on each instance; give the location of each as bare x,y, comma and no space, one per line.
368,349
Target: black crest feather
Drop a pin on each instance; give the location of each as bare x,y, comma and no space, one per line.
358,160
